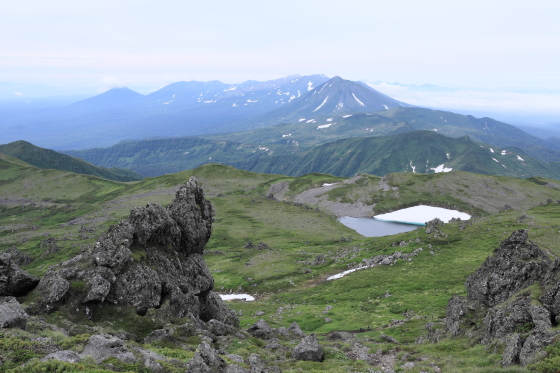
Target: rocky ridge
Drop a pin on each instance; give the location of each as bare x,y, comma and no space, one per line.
512,300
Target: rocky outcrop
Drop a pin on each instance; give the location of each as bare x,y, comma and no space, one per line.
152,260
13,280
504,302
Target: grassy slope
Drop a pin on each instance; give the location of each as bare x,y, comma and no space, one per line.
49,159
420,151
298,235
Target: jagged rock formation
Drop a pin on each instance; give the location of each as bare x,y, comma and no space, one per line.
152,260
512,299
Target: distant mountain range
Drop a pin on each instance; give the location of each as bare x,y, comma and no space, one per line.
179,109
291,125
306,130
417,151
49,159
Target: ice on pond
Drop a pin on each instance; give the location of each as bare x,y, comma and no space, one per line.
419,215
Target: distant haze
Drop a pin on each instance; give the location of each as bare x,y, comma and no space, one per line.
474,45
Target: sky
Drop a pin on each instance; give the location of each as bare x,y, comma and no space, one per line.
479,50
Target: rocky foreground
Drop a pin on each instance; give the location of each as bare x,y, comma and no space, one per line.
149,270
151,263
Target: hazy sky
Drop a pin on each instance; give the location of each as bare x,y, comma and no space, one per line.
472,44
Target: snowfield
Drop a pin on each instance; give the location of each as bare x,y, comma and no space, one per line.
419,215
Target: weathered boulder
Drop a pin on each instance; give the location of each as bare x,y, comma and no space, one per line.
260,329
296,330
13,280
103,346
308,349
153,260
11,314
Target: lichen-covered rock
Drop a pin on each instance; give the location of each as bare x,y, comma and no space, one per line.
11,314
52,288
102,346
513,266
13,280
152,260
308,349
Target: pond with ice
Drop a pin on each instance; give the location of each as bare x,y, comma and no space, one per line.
399,221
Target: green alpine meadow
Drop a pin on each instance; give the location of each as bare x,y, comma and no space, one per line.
278,239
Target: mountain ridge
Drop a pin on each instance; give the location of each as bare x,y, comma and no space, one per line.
49,159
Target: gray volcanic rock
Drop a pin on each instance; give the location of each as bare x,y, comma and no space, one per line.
206,359
296,330
513,266
13,280
102,347
501,302
308,349
66,356
152,260
260,329
11,314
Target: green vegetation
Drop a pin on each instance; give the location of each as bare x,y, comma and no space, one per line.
417,151
51,215
49,159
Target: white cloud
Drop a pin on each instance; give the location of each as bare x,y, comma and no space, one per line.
18,94
471,99
110,82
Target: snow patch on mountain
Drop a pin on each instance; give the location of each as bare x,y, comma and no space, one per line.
318,107
356,98
441,168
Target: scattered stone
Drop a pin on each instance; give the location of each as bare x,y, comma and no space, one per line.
260,329
296,330
308,349
259,313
